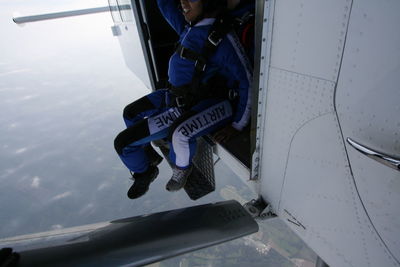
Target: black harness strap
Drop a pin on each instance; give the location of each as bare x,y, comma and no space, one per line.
190,93
199,59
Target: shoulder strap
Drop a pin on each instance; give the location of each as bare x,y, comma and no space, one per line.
223,24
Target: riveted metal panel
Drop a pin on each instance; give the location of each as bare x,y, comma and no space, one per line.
309,36
261,78
308,40
292,101
320,201
368,105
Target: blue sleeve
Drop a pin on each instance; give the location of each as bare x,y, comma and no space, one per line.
238,68
171,13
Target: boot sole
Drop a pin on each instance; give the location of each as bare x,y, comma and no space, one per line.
154,176
177,189
174,190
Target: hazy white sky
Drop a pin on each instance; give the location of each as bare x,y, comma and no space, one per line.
63,86
45,39
60,41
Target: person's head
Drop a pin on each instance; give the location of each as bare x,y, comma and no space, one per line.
193,10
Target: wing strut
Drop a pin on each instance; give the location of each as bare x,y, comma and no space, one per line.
145,239
57,15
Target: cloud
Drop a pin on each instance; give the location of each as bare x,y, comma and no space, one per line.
13,72
11,171
57,227
89,208
35,182
61,196
13,125
28,97
102,186
21,150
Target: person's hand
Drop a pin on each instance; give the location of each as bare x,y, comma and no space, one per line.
225,134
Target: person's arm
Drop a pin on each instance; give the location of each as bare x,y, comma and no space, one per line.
172,14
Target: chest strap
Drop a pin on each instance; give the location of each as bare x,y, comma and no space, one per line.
194,91
222,25
199,59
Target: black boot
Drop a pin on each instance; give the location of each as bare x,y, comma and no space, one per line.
142,182
154,157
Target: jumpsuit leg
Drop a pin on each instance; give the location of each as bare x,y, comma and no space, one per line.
144,107
207,116
147,119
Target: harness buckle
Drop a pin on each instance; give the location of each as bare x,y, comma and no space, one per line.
199,62
181,53
232,94
215,40
200,65
180,101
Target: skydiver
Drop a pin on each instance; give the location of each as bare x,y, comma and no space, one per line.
180,113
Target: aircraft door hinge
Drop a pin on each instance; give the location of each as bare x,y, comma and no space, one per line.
259,209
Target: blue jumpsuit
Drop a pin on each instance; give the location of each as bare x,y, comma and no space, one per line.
148,118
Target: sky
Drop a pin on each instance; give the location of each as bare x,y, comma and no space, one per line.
63,85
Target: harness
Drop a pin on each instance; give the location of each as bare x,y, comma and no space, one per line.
189,94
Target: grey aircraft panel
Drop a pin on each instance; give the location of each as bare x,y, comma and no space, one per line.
305,171
368,104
